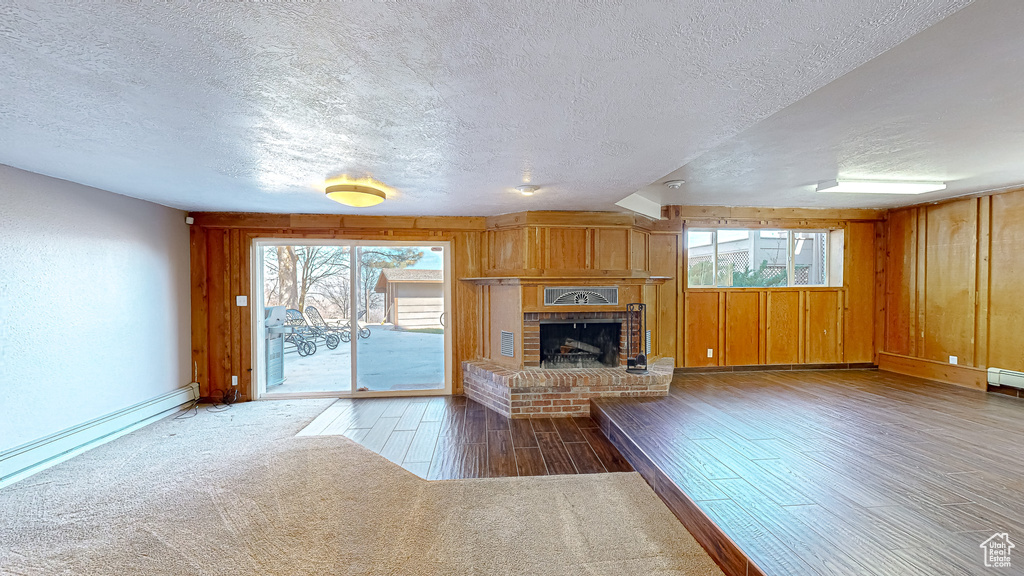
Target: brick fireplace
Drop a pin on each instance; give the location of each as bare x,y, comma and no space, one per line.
552,299
561,361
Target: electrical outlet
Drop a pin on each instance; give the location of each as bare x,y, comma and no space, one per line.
234,380
953,359
711,353
241,301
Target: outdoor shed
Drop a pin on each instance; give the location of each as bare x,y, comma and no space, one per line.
412,298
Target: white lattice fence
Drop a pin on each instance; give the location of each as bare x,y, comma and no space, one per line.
736,261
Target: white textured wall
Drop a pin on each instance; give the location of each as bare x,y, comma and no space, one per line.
94,303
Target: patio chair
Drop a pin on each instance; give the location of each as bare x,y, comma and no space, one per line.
315,332
301,335
363,330
326,329
346,327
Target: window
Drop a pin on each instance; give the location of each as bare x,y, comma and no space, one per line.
762,258
701,257
810,257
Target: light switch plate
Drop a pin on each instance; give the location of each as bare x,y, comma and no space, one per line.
711,353
953,359
241,301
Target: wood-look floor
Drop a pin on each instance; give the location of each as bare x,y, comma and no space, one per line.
451,437
831,472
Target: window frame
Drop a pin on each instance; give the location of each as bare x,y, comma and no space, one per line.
828,274
258,389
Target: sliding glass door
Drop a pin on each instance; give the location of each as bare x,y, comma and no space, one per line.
347,317
401,304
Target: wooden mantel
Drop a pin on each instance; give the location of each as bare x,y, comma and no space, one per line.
581,279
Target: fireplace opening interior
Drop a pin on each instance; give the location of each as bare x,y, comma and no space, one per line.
579,344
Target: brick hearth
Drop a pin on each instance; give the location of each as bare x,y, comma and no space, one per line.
539,392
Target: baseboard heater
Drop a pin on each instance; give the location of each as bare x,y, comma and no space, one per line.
35,455
1002,377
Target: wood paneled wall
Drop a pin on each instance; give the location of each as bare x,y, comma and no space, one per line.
750,326
952,287
842,324
502,311
570,243
221,264
665,255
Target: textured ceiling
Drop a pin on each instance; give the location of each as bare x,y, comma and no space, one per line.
945,105
251,105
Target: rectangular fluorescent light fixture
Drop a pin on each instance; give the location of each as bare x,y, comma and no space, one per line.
879,187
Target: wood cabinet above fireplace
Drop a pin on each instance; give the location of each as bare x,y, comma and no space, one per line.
548,245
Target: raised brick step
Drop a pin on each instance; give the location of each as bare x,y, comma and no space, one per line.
540,392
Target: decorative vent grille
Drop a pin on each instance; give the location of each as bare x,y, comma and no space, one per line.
581,296
648,343
508,344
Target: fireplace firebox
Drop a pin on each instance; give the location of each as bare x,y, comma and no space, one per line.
568,359
580,343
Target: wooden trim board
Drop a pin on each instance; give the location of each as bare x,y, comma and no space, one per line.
335,221
966,376
762,214
776,367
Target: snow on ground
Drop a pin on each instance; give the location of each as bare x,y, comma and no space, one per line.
388,360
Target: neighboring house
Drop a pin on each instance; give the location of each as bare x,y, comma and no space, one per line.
412,298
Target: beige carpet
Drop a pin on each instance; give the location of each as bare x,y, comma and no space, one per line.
237,493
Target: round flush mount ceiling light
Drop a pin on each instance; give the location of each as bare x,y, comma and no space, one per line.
356,195
675,184
527,189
